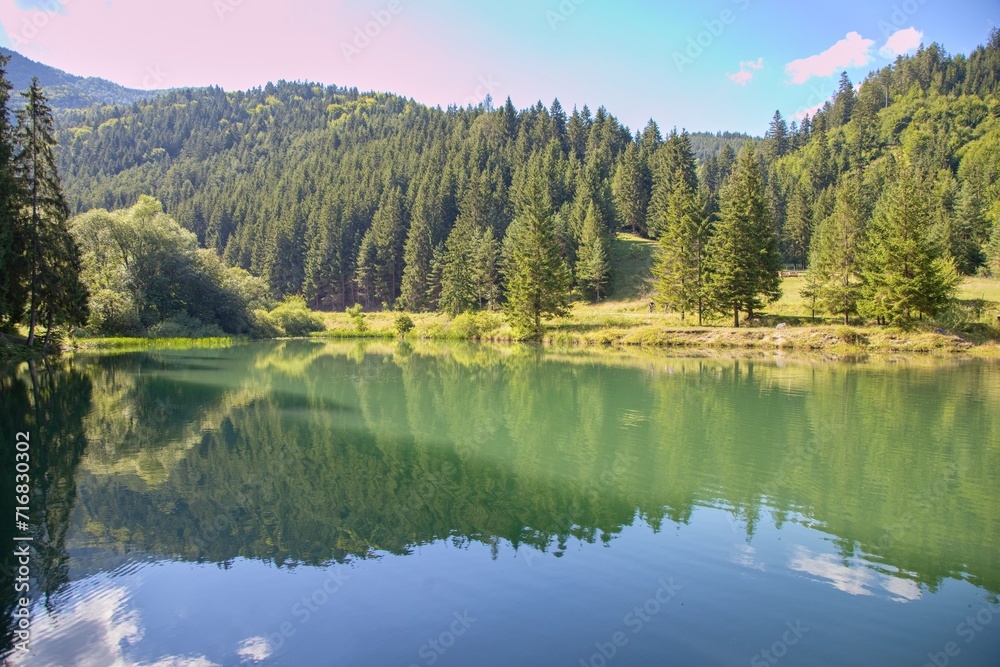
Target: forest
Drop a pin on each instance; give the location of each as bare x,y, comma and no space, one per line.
888,195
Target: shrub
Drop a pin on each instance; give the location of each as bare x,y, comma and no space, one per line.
183,325
403,324
294,318
357,314
851,336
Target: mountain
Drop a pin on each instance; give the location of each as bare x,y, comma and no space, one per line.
67,91
333,193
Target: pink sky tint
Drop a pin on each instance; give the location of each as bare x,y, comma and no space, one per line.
241,44
745,75
901,42
852,51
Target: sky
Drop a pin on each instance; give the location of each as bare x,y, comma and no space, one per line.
700,65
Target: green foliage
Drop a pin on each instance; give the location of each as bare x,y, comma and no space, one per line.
403,325
537,280
906,271
835,264
744,263
680,261
142,269
184,325
294,318
357,315
593,268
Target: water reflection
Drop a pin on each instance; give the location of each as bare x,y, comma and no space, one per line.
303,454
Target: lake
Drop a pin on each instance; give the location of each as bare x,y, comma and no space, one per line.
305,503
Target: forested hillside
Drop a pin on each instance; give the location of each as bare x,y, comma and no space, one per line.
67,91
362,197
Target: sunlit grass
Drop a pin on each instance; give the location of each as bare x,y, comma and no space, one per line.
130,344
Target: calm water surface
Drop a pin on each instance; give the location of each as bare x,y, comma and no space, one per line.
312,504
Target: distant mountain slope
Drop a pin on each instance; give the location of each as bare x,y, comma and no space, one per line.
67,91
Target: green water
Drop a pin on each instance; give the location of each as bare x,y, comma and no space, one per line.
312,504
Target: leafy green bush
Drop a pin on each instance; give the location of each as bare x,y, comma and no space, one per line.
357,313
403,324
294,318
183,325
473,326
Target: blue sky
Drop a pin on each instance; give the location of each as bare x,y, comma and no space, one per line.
721,64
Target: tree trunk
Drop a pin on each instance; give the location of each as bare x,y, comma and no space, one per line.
736,317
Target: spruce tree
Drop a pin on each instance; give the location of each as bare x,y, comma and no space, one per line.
776,137
743,258
907,272
632,189
418,255
835,258
537,280
798,229
486,270
12,232
53,256
593,268
458,278
679,269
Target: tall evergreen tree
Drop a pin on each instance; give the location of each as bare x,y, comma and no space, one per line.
744,262
12,232
52,254
797,235
836,257
906,270
593,267
418,255
486,270
459,291
679,269
537,280
776,137
380,259
632,186
674,161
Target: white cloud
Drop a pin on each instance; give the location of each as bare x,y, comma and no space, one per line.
901,42
811,111
852,51
745,75
255,649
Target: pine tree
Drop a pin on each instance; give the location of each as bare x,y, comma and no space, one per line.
459,291
744,263
674,161
632,189
418,255
679,267
52,254
843,102
486,270
380,258
776,137
593,269
537,280
798,227
835,258
12,232
906,271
